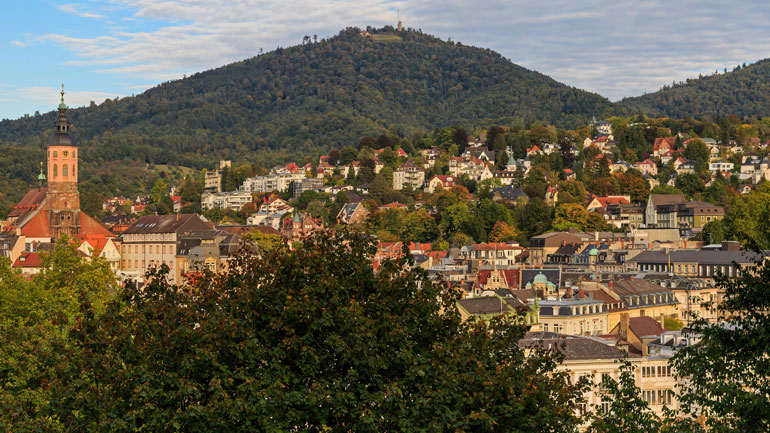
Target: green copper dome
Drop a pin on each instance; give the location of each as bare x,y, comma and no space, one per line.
593,252
540,278
41,176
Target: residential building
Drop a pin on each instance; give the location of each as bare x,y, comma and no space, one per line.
510,194
439,181
204,250
352,213
234,200
542,245
654,203
705,264
696,214
410,175
151,241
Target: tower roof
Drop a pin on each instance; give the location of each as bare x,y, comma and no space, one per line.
62,135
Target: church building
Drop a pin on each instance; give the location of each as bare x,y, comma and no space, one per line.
48,212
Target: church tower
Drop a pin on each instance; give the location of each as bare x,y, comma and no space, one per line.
62,197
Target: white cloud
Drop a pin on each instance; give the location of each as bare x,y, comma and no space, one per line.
75,9
617,49
49,96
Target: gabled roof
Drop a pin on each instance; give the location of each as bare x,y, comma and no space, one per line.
644,326
28,259
31,200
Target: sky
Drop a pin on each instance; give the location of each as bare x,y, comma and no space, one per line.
115,48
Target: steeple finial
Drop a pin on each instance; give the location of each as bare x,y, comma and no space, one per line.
41,176
62,105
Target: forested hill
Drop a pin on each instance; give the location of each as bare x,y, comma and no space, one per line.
744,91
298,100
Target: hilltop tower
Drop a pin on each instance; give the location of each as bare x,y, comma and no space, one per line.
62,195
400,26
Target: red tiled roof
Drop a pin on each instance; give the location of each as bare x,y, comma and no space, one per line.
28,260
511,277
38,226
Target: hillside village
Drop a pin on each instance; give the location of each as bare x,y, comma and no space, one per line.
573,238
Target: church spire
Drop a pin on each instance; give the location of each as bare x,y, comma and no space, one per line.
41,177
62,124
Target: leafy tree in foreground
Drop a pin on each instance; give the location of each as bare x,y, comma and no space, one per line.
628,412
310,340
728,372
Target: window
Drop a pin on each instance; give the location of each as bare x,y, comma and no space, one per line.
55,154
65,153
55,169
64,170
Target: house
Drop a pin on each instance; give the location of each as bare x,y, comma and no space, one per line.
275,204
663,145
596,202
654,204
479,152
647,167
543,245
686,167
151,241
352,213
552,195
585,316
439,181
28,263
626,216
408,175
234,200
534,150
510,194
696,214
569,174
101,246
720,166
487,307
603,127
205,250
301,225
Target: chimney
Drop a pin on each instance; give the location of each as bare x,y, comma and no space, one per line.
610,283
662,321
624,324
645,349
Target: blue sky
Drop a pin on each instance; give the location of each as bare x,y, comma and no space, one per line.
103,49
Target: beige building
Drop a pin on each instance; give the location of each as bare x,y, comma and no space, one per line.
543,245
151,241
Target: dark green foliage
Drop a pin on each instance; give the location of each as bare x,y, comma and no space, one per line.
310,98
728,372
628,412
307,340
743,92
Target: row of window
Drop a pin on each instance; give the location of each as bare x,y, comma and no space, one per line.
658,396
64,154
127,264
657,371
148,237
64,170
158,249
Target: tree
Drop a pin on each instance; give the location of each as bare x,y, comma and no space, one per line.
690,184
419,226
455,219
570,215
502,232
306,340
728,371
714,232
628,412
36,318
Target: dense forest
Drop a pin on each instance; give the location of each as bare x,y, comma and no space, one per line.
318,95
744,92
